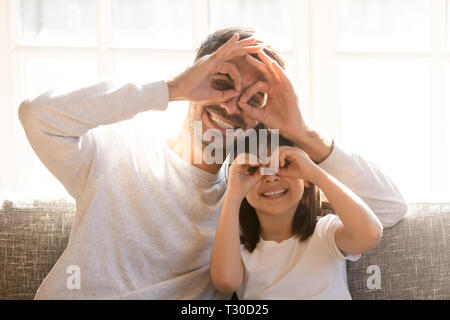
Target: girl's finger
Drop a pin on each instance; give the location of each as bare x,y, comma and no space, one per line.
256,94
247,159
286,153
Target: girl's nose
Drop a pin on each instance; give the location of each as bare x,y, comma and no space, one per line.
271,178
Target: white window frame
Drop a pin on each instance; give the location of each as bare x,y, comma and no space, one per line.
12,53
325,85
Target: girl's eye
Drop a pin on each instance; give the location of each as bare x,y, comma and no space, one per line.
286,163
251,170
221,85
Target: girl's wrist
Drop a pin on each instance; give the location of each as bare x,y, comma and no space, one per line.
319,177
233,198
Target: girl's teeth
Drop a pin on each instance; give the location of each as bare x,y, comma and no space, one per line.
274,192
221,123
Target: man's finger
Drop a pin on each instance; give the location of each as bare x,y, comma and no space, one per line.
254,113
259,86
239,52
269,63
230,45
262,67
232,71
227,95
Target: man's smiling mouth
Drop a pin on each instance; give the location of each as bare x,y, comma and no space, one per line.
221,123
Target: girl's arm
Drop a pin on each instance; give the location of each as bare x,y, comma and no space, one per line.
360,229
227,269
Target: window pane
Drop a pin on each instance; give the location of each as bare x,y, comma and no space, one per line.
448,25
62,22
384,25
163,124
385,115
447,147
41,74
270,18
152,23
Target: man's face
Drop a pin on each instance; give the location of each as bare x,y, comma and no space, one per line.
228,115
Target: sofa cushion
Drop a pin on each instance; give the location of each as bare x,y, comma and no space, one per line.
412,261
33,236
413,257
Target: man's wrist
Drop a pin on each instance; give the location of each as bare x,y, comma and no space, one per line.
173,90
315,145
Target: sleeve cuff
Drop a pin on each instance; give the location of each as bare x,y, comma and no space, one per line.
339,160
157,95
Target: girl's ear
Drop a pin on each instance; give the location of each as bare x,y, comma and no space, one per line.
306,184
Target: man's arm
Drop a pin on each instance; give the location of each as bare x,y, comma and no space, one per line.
362,177
358,174
57,125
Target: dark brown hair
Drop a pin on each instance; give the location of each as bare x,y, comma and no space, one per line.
304,221
216,39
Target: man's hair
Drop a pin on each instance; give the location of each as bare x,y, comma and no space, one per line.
216,39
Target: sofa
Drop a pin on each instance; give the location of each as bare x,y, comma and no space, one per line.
412,261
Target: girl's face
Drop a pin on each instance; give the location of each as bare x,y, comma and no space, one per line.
276,195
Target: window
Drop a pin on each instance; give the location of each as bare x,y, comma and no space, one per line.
373,74
379,68
70,43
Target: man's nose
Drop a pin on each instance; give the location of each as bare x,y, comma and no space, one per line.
232,106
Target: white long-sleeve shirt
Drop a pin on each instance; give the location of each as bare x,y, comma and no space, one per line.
146,219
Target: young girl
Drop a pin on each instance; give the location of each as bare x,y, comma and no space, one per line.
289,250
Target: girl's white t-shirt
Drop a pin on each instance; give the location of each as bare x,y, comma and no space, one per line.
294,269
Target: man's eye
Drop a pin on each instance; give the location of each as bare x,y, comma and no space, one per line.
221,85
254,102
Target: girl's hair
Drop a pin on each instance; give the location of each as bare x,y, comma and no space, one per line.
309,209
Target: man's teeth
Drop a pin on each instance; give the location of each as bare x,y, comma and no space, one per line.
274,192
221,123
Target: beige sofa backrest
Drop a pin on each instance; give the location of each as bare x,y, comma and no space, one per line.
411,262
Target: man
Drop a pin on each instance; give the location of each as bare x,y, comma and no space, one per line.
146,212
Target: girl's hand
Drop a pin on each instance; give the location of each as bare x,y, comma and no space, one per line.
295,163
281,110
194,84
243,175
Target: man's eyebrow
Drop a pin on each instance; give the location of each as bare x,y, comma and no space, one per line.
225,75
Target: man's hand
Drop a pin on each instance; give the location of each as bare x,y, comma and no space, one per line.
282,109
194,84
